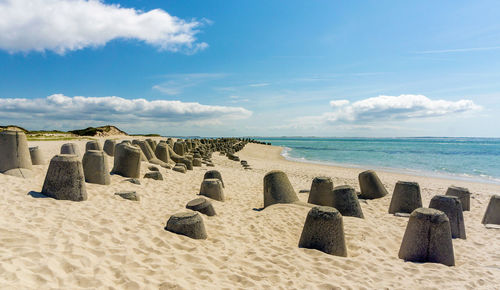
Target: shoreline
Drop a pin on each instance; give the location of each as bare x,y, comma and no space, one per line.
352,173
406,171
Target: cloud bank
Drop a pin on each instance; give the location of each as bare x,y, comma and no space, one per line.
62,108
383,108
67,25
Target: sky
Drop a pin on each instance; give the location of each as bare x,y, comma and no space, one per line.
253,68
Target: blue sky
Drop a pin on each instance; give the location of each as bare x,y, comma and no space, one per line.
268,68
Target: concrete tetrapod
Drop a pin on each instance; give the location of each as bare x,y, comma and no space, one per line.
156,175
136,143
127,161
324,231
130,195
197,162
427,238
321,191
189,224
174,156
214,174
462,193
180,167
161,152
345,200
95,167
405,198
201,205
71,149
179,148
212,188
36,156
278,189
152,144
15,158
65,179
492,214
150,154
146,149
109,147
93,145
188,163
452,207
371,186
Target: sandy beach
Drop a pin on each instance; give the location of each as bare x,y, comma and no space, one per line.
108,242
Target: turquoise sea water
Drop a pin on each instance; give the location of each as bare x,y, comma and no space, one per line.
464,158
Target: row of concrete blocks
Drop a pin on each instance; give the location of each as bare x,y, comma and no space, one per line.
323,228
191,224
16,158
94,168
428,236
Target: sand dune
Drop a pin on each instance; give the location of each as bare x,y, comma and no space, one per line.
110,242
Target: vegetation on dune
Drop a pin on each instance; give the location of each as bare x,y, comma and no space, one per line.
93,131
50,135
146,135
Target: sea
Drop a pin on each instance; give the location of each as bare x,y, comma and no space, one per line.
471,159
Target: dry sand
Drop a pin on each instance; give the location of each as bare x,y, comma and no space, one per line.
110,242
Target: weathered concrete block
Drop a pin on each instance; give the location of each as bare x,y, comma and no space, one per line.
197,162
65,179
406,197
152,143
14,153
133,180
162,153
212,188
492,214
214,174
180,168
127,161
70,149
452,207
189,224
371,186
109,147
93,145
324,231
179,148
36,156
95,167
428,238
156,175
201,205
188,163
321,191
278,189
462,193
130,195
345,200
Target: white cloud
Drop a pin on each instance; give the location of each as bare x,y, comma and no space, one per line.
177,83
338,103
259,85
470,49
67,25
113,109
238,99
382,108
